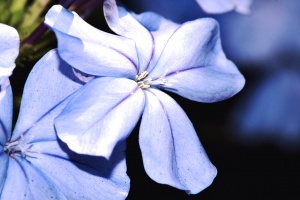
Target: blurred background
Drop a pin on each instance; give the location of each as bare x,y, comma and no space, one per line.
252,138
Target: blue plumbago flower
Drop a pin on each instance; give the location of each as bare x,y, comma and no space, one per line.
9,49
148,55
222,6
34,163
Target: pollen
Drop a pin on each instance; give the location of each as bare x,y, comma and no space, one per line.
142,81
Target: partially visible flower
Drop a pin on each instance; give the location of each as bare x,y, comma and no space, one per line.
222,6
34,163
9,49
186,10
271,112
149,53
272,30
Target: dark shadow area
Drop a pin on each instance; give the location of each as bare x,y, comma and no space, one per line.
96,165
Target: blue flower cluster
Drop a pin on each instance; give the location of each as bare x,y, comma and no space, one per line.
82,100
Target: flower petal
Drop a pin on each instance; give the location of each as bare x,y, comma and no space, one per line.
243,6
222,6
58,82
172,153
6,112
9,50
195,67
16,186
124,24
41,166
87,48
102,113
51,170
3,167
161,30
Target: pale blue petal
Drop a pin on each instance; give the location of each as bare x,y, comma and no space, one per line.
46,169
222,6
204,84
102,113
57,82
87,48
51,170
161,30
172,153
3,167
98,178
9,50
194,66
6,112
124,24
16,185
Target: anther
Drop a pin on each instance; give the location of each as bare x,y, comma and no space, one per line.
142,81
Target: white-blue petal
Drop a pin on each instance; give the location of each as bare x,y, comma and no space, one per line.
88,49
172,153
51,170
194,66
56,81
45,168
124,24
161,30
102,113
9,50
222,6
6,112
16,185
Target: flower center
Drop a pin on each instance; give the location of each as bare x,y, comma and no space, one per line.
142,81
18,148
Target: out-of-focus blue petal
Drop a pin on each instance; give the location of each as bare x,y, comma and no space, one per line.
124,24
222,6
161,30
194,66
172,153
272,111
179,11
6,112
9,50
56,81
102,113
261,38
88,49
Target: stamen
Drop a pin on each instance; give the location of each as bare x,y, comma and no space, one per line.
141,76
141,81
9,145
18,148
